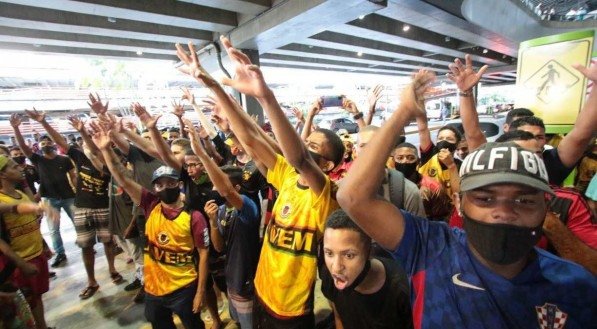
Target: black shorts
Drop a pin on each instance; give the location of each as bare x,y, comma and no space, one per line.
262,319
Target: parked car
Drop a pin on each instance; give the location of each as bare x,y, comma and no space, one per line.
343,123
491,126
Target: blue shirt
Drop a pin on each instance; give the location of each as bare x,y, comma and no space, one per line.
450,288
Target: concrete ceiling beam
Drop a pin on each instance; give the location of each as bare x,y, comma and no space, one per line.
246,7
84,51
40,37
174,13
19,16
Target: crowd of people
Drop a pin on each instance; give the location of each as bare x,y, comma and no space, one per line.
454,233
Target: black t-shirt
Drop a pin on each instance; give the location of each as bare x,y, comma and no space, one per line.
253,181
143,167
387,308
556,170
92,185
32,177
53,176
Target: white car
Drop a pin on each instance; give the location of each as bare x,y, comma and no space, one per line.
492,126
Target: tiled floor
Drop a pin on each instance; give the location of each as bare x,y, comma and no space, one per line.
111,306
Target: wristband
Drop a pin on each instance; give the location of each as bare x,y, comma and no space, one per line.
467,93
358,116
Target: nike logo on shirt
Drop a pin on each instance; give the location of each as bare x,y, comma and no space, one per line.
457,282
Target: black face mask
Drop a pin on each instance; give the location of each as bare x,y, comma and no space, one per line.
48,149
359,279
317,158
501,243
19,159
407,169
169,195
446,145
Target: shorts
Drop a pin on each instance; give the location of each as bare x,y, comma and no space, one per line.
92,225
34,285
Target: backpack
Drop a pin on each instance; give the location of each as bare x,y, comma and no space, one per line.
393,187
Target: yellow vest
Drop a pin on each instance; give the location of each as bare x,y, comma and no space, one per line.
168,259
22,230
434,170
287,266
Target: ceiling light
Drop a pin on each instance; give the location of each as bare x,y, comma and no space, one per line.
111,19
485,51
447,39
362,16
139,52
360,53
36,45
406,27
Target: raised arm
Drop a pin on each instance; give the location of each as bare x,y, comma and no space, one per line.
249,80
316,107
373,96
220,180
123,177
142,143
351,107
572,146
424,133
357,194
217,240
178,111
56,136
244,127
465,78
161,146
300,120
15,122
202,117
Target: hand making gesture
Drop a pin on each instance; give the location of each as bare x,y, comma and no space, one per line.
463,75
96,105
36,115
248,78
146,119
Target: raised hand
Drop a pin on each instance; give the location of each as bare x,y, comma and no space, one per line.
101,138
298,114
211,209
76,122
349,106
589,72
316,107
35,115
373,96
146,119
412,97
190,129
95,102
15,120
177,109
248,78
130,126
202,132
188,95
463,75
192,66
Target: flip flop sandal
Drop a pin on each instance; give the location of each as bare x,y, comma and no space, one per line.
116,278
88,292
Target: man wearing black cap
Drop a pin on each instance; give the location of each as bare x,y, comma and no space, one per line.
174,235
489,275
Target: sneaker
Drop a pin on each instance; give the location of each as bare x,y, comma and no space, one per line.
59,260
133,285
51,274
140,296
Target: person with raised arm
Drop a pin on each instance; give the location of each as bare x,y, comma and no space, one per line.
57,176
286,271
234,228
488,275
92,218
175,235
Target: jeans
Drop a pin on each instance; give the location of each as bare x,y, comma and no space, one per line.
241,310
54,227
159,309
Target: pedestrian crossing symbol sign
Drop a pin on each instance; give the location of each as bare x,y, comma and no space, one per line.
546,82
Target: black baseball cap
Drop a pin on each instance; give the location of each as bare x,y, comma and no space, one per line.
499,163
